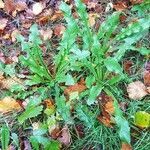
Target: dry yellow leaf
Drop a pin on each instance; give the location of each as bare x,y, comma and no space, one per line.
37,8
8,104
1,4
136,90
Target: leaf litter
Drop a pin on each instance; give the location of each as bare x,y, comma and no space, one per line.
27,13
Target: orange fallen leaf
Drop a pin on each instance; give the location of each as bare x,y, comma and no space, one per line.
46,34
136,90
1,4
57,15
59,30
3,23
78,87
49,103
126,146
105,120
37,8
120,6
8,104
44,17
107,109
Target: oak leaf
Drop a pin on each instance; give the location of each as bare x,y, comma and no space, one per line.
8,104
136,90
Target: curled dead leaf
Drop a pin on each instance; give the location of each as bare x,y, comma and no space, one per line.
136,90
8,104
126,146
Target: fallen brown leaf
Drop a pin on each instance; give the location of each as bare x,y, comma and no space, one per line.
46,34
136,1
8,104
45,16
107,109
65,136
126,146
78,87
49,103
136,90
127,66
59,30
3,23
120,6
57,15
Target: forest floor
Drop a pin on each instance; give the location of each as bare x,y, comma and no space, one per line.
74,75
